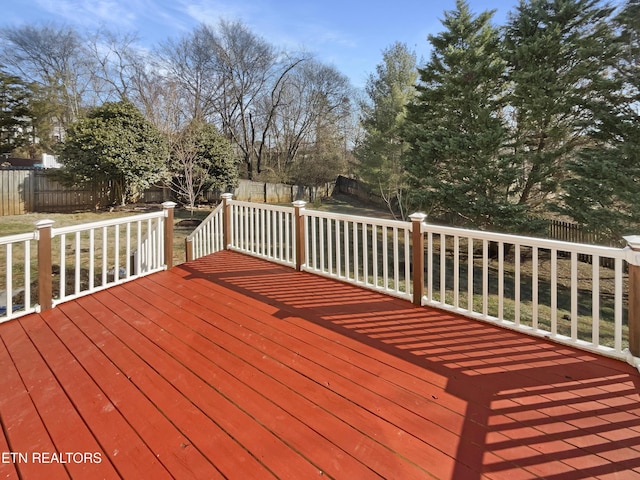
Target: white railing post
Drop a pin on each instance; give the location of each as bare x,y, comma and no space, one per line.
45,287
633,259
226,219
418,257
299,232
188,244
168,208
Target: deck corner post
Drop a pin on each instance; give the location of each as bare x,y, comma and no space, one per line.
188,249
226,219
168,208
633,259
417,239
298,205
45,285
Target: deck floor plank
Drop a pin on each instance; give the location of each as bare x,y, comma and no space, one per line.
243,383
85,404
152,441
40,428
363,404
8,469
255,355
22,428
142,363
205,395
235,367
437,439
564,364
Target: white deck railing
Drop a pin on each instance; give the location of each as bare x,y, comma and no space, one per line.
264,230
54,265
257,229
533,285
552,289
208,237
16,296
373,253
102,254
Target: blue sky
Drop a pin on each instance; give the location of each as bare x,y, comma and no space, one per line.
349,34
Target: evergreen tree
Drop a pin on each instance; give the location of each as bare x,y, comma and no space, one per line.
603,185
455,127
381,151
16,129
629,22
115,143
560,54
603,189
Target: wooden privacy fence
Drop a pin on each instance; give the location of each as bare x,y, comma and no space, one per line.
34,190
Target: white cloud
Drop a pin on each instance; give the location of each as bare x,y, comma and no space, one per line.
288,30
211,12
336,38
91,12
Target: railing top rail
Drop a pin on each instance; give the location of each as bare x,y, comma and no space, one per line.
202,225
263,206
21,237
107,223
584,248
359,219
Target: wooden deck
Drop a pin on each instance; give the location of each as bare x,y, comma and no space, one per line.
233,367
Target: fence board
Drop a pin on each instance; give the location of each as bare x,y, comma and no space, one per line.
16,193
31,190
52,196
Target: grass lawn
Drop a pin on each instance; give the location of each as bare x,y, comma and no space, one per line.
348,205
16,224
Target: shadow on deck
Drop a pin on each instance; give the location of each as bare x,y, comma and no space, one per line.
234,367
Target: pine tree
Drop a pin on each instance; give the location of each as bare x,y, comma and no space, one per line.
560,54
16,127
603,185
382,149
455,126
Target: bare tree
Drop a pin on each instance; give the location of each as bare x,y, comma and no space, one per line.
201,160
159,97
314,96
115,58
252,74
53,57
255,94
268,103
190,63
